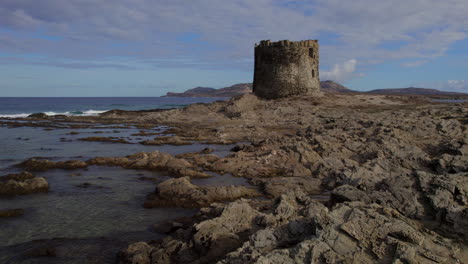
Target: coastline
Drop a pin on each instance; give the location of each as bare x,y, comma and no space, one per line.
385,161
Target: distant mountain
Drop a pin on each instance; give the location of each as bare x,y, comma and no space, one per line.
243,88
326,86
413,91
231,91
333,87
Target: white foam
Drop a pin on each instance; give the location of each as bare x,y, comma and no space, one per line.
55,113
14,115
93,112
90,112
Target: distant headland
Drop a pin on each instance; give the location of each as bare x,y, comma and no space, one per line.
325,86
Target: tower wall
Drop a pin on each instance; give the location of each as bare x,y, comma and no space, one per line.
286,68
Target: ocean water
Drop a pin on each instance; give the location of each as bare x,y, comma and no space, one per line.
111,207
23,106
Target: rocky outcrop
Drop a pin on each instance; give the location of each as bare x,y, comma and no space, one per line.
23,183
141,161
106,139
298,229
167,140
181,192
153,161
277,186
39,164
38,116
447,198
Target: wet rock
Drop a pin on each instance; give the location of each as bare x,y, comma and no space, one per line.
172,225
38,115
239,147
84,185
153,161
11,213
17,177
206,150
35,164
106,139
169,140
23,183
136,253
143,161
180,192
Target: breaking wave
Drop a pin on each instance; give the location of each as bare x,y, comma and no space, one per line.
70,113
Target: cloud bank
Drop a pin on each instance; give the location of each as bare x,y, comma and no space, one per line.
211,33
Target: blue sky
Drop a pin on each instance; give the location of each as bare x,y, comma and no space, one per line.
150,47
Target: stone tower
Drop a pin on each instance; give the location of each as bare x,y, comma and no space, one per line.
286,68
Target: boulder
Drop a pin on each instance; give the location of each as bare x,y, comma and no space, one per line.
38,116
182,193
23,183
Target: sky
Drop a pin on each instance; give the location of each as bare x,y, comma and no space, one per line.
150,47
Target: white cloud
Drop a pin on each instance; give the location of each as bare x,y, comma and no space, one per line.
341,72
150,29
449,85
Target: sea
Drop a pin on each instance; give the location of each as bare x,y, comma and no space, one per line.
14,107
86,205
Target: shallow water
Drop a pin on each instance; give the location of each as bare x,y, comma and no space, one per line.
20,143
110,207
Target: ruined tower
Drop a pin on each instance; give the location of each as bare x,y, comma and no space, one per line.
286,68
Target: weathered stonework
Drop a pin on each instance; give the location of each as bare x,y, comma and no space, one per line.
286,68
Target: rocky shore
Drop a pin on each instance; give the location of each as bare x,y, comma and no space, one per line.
396,169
